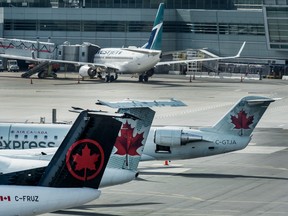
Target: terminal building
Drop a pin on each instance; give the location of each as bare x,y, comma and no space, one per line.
221,26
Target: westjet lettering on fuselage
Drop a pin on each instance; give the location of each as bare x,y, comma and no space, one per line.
109,52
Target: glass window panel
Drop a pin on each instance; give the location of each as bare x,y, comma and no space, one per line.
132,3
102,4
138,3
24,25
7,25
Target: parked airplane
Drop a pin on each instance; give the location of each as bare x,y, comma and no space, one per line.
108,62
73,175
124,160
231,133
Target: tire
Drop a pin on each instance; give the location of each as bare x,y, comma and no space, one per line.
41,75
141,78
107,78
145,78
112,78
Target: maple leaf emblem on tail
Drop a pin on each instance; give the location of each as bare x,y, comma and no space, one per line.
85,159
126,143
241,121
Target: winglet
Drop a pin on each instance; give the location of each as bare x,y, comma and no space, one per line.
241,49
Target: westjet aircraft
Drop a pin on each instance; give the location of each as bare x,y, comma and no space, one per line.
109,62
233,132
73,175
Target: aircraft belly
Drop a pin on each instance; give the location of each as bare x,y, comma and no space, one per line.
114,176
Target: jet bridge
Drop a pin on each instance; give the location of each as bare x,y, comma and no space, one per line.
46,50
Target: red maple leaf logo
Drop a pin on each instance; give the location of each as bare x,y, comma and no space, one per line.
242,121
87,164
126,143
86,160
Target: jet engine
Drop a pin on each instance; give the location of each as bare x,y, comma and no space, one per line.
174,137
86,71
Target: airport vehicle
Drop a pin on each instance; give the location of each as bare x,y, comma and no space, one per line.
73,175
12,65
109,62
231,133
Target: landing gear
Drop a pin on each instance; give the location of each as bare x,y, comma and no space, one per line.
99,75
143,78
107,78
110,78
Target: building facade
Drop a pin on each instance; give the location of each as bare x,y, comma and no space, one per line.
219,25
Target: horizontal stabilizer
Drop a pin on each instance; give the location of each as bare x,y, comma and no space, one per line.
137,103
104,113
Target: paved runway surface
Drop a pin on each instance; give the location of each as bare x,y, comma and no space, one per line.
249,182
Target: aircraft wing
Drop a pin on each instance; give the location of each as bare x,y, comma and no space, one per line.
32,59
138,103
37,153
203,59
143,51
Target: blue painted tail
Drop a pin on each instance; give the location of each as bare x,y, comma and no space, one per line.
155,40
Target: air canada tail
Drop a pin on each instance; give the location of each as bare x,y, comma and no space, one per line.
133,134
155,40
132,138
80,160
242,119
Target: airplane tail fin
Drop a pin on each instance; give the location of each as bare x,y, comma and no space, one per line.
131,139
155,39
133,134
243,117
80,160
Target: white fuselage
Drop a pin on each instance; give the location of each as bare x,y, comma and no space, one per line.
31,136
34,200
130,60
32,159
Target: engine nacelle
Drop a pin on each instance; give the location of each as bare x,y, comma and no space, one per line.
87,71
174,137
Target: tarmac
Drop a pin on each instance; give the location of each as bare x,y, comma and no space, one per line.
252,181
